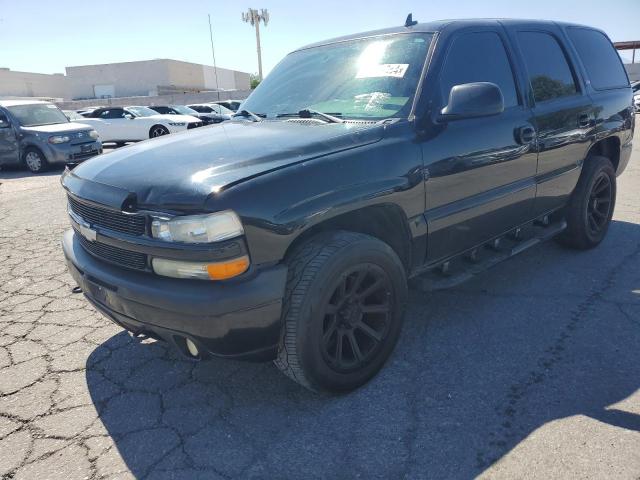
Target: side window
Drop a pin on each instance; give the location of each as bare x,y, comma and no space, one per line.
549,72
112,113
215,108
599,58
478,57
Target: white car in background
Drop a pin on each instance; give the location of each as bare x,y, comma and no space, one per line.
134,123
635,86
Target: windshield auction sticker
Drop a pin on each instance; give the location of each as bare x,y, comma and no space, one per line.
396,70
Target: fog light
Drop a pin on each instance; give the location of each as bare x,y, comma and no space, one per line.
193,350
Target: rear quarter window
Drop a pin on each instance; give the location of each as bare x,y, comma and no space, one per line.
599,57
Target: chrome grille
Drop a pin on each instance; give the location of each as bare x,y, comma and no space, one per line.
130,224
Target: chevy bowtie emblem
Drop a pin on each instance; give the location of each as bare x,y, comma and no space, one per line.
84,228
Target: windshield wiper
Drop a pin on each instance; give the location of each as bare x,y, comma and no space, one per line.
247,114
308,113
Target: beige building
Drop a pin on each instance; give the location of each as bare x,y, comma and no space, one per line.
150,77
26,84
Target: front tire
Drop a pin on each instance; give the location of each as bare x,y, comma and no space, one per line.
35,160
343,311
158,131
590,209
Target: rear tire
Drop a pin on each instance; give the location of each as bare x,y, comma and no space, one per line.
35,160
158,131
343,310
591,206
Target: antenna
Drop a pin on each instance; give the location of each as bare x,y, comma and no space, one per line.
213,54
410,22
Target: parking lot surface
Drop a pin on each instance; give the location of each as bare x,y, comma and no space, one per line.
531,369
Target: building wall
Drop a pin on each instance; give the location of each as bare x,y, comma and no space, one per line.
633,70
151,76
25,84
128,78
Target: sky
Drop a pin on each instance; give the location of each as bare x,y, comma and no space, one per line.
45,36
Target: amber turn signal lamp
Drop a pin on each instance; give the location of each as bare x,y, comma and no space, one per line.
229,269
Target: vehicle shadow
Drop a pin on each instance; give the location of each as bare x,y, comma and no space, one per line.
548,335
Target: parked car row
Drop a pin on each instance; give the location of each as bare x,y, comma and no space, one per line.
135,123
37,134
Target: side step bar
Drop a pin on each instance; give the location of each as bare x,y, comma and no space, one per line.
444,275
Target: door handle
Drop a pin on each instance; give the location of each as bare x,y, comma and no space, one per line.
525,134
584,120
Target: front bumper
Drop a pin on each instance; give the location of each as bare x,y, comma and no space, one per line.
236,319
68,153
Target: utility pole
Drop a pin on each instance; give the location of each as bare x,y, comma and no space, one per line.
213,54
254,17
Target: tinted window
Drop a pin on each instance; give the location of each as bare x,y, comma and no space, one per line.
478,57
600,59
162,109
112,113
549,72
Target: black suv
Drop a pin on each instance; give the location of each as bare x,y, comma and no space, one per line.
290,232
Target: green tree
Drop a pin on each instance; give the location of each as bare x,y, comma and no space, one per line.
254,80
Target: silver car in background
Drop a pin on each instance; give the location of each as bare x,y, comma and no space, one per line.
37,134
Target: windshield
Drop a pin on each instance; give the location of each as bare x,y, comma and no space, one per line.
38,114
221,109
372,78
184,110
142,111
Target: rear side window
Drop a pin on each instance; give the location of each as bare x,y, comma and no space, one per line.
599,58
478,57
549,72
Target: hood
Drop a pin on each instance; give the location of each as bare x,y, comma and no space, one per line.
175,118
59,128
182,170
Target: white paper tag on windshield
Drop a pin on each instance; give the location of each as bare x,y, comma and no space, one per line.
396,70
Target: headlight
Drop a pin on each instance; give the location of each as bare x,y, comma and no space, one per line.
197,228
93,134
177,124
59,139
200,270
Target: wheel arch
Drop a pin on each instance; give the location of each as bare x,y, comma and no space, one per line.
386,222
24,148
607,147
157,125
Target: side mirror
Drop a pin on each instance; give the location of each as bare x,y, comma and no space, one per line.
128,116
469,100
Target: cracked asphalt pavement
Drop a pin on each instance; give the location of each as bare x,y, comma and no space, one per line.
531,369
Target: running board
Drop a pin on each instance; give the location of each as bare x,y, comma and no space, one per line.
469,264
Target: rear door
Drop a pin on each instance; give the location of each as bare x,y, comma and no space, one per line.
481,170
9,151
562,110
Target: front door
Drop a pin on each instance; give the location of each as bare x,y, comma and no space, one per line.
9,151
481,171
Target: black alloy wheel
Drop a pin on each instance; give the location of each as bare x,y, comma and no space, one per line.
599,205
357,318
